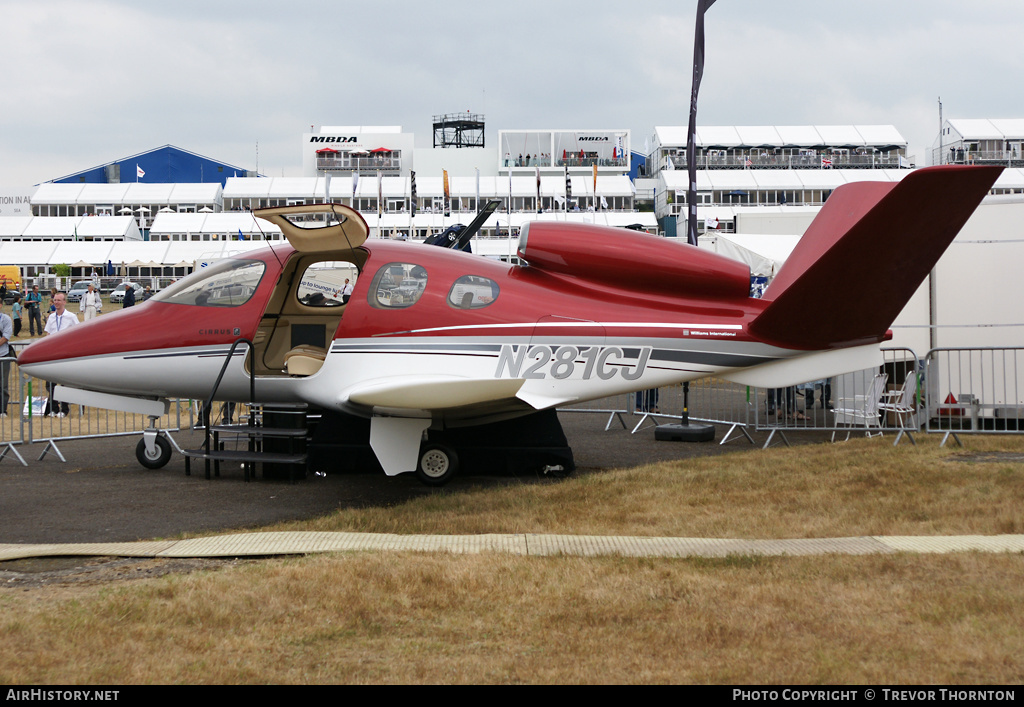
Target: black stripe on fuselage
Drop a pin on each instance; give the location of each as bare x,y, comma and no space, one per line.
198,354
704,358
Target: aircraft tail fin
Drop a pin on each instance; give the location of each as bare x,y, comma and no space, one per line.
865,254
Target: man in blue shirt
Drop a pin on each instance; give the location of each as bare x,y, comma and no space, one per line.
33,300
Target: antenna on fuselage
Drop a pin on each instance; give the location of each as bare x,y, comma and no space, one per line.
267,241
359,268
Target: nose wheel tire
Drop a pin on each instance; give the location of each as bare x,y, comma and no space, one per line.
438,464
159,457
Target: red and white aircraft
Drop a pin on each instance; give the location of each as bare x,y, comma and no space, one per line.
439,338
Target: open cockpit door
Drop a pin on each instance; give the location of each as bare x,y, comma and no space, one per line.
318,228
303,313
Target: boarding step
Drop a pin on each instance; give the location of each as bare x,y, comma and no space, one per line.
244,430
241,456
274,435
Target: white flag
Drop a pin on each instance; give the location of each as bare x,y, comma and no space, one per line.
138,171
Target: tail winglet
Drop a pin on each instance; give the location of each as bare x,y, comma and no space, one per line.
865,254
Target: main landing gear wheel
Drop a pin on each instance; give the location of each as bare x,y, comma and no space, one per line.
159,457
438,464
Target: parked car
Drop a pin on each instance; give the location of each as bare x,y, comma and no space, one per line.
78,290
11,293
117,296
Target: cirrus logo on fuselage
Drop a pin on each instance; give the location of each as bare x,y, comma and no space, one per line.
541,361
220,332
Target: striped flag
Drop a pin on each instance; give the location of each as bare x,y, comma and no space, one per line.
380,194
412,191
568,188
447,195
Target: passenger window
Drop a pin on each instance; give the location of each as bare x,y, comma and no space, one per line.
397,285
472,292
324,284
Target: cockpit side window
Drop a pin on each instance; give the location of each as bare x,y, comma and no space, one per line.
397,285
228,283
472,292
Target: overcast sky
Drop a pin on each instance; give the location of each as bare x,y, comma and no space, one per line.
87,82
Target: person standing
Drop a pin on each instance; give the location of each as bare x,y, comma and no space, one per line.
6,334
16,314
129,296
346,292
60,320
34,301
91,303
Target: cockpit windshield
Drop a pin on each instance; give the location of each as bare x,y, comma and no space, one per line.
228,283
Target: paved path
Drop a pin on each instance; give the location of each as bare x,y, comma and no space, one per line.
300,543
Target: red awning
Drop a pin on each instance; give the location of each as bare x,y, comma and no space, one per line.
381,149
325,149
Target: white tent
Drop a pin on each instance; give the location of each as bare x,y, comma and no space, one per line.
764,254
94,252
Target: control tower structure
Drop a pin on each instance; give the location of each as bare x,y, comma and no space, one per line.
459,130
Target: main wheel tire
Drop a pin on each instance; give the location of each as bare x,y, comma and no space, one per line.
160,456
438,464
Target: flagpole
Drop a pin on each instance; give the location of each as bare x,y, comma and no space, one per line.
691,140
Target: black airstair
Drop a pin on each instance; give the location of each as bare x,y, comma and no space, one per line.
274,435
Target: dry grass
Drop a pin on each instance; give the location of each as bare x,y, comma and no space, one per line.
426,618
369,618
862,487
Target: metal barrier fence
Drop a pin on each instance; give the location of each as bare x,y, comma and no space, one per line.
958,391
29,416
710,400
974,391
872,401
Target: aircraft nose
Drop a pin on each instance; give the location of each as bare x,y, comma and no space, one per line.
88,355
107,334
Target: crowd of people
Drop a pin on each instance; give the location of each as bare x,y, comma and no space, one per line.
57,318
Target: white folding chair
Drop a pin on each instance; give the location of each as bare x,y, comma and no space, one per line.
862,409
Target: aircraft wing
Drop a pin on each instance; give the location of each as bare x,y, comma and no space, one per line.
419,392
402,407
